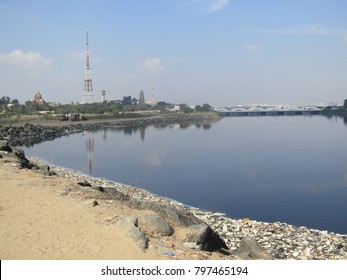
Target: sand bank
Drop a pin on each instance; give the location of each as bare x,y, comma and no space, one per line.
37,222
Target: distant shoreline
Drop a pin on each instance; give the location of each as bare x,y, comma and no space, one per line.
38,131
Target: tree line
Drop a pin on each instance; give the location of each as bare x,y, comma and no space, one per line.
114,107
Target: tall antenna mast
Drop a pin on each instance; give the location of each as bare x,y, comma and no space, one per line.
88,93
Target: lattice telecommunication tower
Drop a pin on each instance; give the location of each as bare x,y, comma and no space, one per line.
88,93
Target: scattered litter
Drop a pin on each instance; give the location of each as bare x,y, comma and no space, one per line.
171,254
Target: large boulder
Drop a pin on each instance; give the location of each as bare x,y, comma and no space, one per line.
174,215
203,236
155,225
197,233
251,250
114,193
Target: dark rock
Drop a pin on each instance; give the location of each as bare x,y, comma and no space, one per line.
179,217
5,146
100,189
155,225
18,153
14,156
205,237
85,183
174,215
251,250
198,233
114,193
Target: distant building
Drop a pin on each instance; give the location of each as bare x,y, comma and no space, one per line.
53,104
38,98
176,108
152,101
142,98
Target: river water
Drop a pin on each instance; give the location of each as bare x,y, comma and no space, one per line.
291,169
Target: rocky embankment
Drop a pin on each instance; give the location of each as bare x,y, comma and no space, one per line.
30,134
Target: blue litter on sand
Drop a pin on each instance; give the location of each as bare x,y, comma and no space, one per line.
168,253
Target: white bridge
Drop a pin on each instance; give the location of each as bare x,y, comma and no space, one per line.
267,111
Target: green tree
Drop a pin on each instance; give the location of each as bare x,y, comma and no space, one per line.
5,100
185,108
198,108
204,108
127,100
134,101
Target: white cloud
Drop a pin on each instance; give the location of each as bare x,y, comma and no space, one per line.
151,65
206,6
29,60
253,48
218,5
320,30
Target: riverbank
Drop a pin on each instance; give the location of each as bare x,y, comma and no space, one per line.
280,240
72,216
41,130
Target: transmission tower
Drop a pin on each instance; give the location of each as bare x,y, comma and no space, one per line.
88,94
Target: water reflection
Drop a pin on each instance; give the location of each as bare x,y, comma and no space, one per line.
290,169
154,157
142,133
89,141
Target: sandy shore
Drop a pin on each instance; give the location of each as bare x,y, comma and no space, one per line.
37,222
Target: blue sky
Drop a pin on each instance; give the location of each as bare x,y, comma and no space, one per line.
221,52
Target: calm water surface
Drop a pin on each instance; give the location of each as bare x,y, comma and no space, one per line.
290,168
